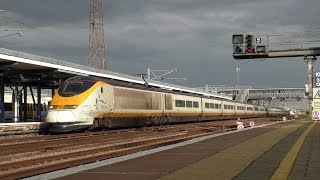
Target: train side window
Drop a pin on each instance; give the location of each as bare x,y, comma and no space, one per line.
189,104
180,103
219,106
225,106
216,106
211,106
195,104
7,106
101,90
207,105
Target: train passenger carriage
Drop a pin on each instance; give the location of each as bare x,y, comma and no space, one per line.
186,108
249,111
211,109
241,110
85,102
228,109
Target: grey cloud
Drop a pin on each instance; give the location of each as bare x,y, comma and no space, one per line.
191,35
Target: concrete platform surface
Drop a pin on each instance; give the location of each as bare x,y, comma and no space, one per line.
21,127
229,156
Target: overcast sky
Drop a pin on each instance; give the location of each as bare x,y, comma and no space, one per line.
193,36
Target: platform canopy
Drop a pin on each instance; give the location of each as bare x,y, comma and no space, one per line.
19,68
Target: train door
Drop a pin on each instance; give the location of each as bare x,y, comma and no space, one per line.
162,102
8,111
201,106
245,110
168,104
44,110
220,107
235,109
101,100
30,111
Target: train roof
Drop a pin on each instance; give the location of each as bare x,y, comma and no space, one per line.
148,87
148,84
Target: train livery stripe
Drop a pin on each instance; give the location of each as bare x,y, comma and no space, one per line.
74,100
157,114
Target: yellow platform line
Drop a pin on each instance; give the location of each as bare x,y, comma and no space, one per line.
287,163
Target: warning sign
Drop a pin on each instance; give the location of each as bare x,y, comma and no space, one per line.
316,99
317,95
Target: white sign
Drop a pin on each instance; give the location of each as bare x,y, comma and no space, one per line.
317,78
258,40
316,115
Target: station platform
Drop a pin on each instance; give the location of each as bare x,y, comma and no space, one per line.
22,128
282,150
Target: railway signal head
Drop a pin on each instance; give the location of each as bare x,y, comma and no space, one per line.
248,43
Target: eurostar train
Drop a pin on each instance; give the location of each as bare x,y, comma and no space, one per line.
83,102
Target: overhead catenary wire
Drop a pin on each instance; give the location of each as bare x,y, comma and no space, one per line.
16,21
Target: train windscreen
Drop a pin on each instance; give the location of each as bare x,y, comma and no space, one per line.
73,88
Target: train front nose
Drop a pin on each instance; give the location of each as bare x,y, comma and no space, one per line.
60,117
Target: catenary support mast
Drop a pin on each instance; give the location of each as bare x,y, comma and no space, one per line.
97,58
310,60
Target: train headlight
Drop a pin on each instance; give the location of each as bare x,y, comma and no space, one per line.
70,107
53,107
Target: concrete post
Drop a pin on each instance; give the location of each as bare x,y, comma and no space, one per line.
15,104
52,91
148,73
2,109
39,101
310,60
25,103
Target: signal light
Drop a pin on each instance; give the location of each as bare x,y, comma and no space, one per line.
248,43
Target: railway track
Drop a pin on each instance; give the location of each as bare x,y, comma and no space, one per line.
24,158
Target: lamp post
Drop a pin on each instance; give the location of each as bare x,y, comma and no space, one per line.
237,73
